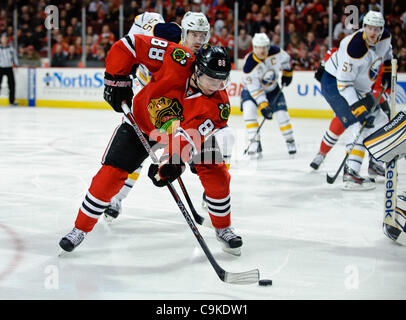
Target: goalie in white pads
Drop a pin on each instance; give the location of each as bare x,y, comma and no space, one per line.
261,89
346,85
386,144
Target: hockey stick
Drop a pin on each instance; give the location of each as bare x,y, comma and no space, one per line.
246,277
263,120
332,179
198,218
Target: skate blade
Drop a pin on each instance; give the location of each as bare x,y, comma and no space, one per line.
350,186
108,219
63,254
234,251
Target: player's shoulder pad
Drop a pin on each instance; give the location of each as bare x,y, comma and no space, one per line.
181,54
357,47
169,31
250,63
385,34
273,50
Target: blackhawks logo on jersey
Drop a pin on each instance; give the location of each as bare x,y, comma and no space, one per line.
164,112
180,56
224,111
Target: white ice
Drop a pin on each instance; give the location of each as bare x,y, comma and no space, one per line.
312,239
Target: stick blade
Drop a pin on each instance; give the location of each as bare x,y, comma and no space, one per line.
330,180
247,277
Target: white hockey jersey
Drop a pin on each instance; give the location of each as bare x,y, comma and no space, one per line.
261,76
356,64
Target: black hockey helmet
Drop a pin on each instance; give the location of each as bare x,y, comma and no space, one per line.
213,61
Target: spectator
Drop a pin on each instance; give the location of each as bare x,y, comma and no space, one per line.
402,60
244,43
59,57
69,37
227,41
60,40
295,45
31,58
106,34
219,23
220,7
72,55
311,43
322,27
341,29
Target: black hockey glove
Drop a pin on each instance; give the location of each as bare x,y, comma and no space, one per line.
319,73
287,77
117,89
387,74
361,110
266,110
167,170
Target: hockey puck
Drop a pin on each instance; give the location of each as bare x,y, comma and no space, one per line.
265,282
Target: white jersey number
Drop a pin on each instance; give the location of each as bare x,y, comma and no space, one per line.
206,127
156,53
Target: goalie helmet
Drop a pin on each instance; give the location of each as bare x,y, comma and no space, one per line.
213,61
195,21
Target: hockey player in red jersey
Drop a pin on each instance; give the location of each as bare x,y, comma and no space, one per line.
336,128
184,102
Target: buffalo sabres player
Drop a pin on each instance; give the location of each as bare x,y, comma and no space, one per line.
261,91
346,85
193,34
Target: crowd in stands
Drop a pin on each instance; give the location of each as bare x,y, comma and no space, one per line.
305,29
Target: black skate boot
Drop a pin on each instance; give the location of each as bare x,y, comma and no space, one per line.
113,210
353,181
291,146
317,161
231,243
72,240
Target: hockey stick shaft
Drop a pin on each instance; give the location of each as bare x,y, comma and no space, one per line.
332,179
198,218
251,276
263,120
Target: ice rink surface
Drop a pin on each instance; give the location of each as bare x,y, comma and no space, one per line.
312,239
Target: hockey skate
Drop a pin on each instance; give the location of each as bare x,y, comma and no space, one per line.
375,169
352,181
317,161
113,210
255,149
291,146
231,243
72,240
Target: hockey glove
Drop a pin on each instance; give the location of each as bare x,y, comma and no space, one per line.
266,110
387,74
117,89
360,110
319,73
287,77
168,170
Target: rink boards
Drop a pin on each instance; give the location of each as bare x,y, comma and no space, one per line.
59,87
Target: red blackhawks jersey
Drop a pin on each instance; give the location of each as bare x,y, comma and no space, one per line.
168,107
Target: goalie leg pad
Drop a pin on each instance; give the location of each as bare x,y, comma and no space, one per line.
388,142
